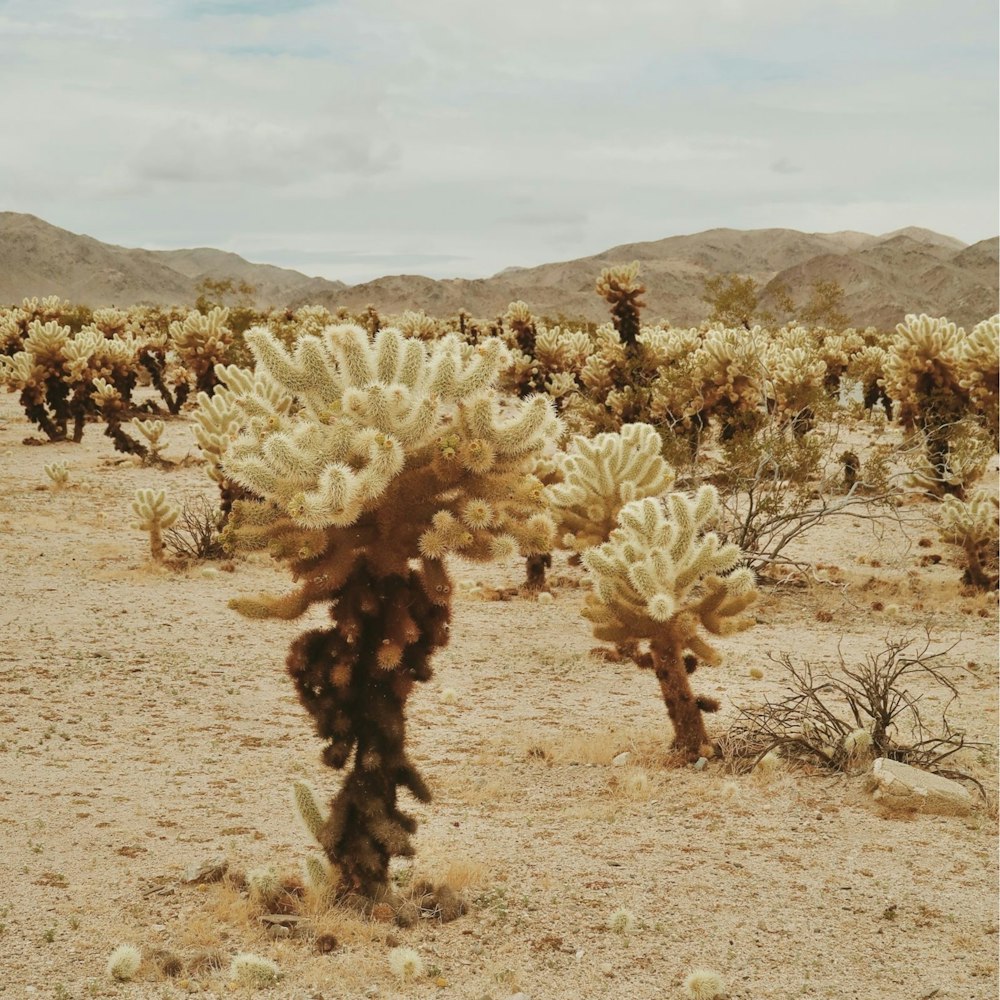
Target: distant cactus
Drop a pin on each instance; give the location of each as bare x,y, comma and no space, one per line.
973,526
660,579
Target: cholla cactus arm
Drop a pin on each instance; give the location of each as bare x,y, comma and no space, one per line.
662,579
973,526
391,454
58,473
155,514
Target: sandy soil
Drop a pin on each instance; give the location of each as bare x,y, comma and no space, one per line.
144,726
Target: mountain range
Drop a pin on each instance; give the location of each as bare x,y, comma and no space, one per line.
883,277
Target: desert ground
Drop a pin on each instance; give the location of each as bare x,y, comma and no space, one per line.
145,727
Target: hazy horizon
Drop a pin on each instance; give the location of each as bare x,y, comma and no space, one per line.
352,140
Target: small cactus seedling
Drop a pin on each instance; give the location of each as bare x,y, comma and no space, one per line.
253,971
58,473
365,462
152,431
406,963
124,962
155,514
704,984
660,579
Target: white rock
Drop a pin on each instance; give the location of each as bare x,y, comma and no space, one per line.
209,870
903,788
622,759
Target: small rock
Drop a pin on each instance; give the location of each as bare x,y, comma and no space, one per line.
622,759
903,788
699,764
278,931
209,870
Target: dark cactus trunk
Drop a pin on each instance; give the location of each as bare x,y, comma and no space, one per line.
354,679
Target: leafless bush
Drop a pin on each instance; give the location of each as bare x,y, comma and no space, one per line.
840,722
775,486
195,535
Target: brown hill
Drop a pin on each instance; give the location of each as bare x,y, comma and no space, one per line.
899,275
884,277
37,258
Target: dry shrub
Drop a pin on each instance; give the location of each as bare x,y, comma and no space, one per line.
195,534
841,721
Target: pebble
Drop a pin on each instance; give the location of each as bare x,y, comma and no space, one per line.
622,759
699,764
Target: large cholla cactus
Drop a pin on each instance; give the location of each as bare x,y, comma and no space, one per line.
972,525
390,453
660,579
600,475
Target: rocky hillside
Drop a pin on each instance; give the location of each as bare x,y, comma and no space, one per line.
883,277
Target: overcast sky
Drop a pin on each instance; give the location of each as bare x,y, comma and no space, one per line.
456,137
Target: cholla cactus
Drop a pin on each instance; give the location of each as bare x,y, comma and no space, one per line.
795,383
728,379
201,343
923,374
41,373
659,580
378,454
867,367
620,287
973,526
600,476
419,325
155,514
979,371
152,431
123,963
253,971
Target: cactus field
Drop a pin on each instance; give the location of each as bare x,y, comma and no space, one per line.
495,658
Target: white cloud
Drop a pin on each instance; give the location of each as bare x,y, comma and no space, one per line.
462,138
